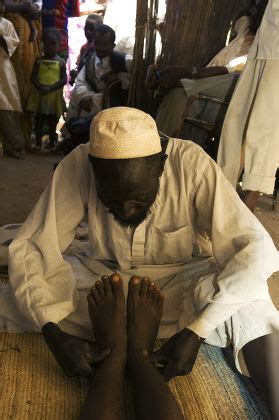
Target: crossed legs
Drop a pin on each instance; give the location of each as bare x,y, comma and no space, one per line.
130,347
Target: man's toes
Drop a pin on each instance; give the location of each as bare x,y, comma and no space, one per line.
144,286
117,284
100,287
134,285
150,290
156,294
90,300
160,301
95,295
107,285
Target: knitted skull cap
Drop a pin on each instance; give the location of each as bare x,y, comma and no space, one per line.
123,133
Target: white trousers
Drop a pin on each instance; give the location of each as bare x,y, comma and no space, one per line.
250,135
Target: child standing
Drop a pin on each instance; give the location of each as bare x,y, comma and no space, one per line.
10,106
48,78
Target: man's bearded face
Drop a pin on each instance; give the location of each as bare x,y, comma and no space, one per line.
128,191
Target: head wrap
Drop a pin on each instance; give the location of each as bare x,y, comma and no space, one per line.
123,133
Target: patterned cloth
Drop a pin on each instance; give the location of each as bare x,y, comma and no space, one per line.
55,14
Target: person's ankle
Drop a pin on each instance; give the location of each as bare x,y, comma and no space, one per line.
135,353
118,357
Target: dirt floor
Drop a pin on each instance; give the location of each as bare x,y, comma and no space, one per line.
23,181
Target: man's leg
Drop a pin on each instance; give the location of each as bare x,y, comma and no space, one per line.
52,123
13,140
261,358
39,120
105,399
250,199
153,399
170,114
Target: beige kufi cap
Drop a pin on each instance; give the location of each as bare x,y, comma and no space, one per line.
123,133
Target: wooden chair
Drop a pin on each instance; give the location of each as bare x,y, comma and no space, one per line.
203,131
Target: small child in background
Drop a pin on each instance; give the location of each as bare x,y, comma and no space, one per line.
48,78
91,23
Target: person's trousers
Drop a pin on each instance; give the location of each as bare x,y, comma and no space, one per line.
10,131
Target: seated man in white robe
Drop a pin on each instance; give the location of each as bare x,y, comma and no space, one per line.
103,82
217,80
156,208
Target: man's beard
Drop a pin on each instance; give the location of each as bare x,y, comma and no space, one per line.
130,224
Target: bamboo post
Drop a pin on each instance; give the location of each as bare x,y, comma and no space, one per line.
144,51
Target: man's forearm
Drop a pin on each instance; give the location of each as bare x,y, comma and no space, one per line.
50,331
15,7
211,71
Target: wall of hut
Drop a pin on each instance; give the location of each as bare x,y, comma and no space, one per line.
196,30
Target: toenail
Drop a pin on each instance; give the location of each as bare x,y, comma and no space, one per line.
152,284
136,280
105,277
145,278
115,277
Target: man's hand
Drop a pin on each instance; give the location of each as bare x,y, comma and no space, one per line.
75,356
85,104
31,10
109,77
169,76
179,354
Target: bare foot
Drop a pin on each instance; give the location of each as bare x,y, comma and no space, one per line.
144,311
106,304
251,199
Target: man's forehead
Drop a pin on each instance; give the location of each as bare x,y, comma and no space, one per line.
119,170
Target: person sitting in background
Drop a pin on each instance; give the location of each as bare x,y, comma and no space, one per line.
217,80
10,107
48,78
104,67
102,83
91,23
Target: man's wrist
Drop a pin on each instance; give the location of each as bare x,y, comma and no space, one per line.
196,336
50,330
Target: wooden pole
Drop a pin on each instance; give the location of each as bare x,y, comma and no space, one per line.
144,51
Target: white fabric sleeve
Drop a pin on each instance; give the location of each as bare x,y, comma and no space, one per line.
43,283
39,4
10,36
237,64
82,88
244,251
